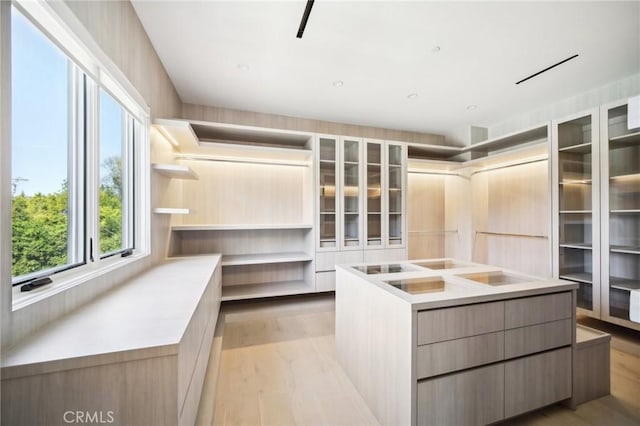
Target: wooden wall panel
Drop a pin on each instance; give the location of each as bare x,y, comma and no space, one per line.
425,216
251,118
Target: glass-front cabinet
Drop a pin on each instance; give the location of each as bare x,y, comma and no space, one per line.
373,156
351,193
327,177
396,192
575,153
620,198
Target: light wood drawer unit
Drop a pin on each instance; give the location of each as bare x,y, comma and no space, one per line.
537,338
327,260
535,381
438,325
459,354
537,309
473,397
325,281
592,375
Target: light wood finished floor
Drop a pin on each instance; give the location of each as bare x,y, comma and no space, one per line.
278,367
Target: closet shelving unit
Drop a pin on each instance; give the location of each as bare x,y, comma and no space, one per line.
173,171
246,175
576,201
620,200
446,179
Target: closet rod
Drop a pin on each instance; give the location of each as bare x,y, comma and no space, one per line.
419,172
241,160
452,231
507,234
506,166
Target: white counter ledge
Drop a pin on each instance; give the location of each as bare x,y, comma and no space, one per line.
167,313
453,342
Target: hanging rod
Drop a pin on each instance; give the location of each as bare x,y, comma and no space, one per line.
444,231
243,160
506,166
420,172
507,234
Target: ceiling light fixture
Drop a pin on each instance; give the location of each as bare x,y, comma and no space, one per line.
412,95
435,49
243,67
338,83
471,107
547,68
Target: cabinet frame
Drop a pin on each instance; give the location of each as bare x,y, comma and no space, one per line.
595,204
605,258
337,193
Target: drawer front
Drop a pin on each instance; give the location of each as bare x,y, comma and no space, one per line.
438,325
537,309
537,338
459,354
385,255
473,397
535,381
327,260
325,281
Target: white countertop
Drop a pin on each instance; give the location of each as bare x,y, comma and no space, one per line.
142,318
458,290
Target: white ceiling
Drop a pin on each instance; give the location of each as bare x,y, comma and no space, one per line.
383,51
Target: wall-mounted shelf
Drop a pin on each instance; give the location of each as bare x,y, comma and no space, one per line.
174,171
532,135
167,210
255,291
264,258
240,227
201,140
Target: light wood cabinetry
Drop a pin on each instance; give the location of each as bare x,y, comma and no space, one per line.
576,205
252,203
597,209
361,195
620,199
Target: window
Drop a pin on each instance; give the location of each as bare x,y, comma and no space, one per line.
75,161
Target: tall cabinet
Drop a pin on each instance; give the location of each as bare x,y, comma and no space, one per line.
361,203
596,177
620,198
575,174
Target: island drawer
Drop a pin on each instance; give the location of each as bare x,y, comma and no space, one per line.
459,354
537,309
473,397
537,380
438,325
537,338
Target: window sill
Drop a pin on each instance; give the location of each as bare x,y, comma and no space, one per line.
64,283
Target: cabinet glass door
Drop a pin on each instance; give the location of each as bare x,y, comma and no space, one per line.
351,187
327,173
395,194
373,154
577,213
622,217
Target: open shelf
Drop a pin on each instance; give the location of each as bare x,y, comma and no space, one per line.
167,210
174,171
582,277
583,148
624,283
240,227
432,152
255,291
625,249
624,140
579,246
264,258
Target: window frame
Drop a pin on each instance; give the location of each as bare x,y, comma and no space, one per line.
91,72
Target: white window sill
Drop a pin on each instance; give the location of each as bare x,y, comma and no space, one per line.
68,280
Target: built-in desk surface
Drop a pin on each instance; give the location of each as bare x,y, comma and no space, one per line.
145,317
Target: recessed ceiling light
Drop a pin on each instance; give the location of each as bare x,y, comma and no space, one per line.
243,67
338,83
435,49
412,95
471,107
